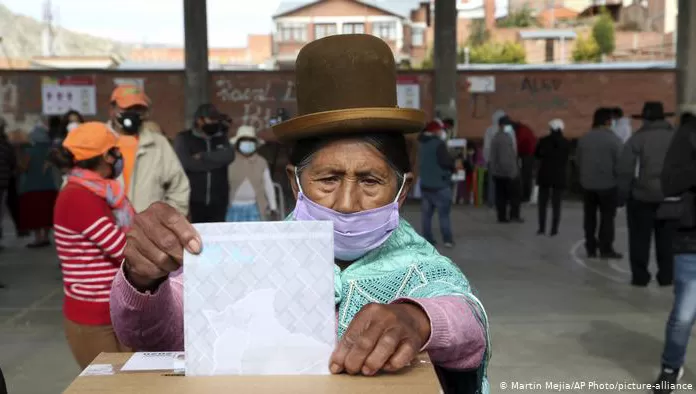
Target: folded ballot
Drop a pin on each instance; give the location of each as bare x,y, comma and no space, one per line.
259,299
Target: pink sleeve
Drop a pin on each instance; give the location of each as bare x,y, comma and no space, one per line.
145,321
457,339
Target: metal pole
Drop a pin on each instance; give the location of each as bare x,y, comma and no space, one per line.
196,53
686,52
445,59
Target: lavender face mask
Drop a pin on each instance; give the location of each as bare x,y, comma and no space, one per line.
355,234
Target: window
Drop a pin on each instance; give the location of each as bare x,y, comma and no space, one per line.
292,33
418,37
354,28
324,30
384,30
549,52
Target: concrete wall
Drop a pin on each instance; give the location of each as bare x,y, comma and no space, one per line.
252,98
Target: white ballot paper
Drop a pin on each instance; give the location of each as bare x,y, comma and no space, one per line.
155,361
259,299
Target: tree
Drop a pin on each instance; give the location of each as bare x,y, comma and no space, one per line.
603,33
523,17
497,53
586,50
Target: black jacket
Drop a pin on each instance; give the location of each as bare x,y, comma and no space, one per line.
205,160
8,163
679,176
552,152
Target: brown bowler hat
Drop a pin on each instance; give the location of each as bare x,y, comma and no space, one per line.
347,84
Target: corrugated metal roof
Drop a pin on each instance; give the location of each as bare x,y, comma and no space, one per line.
547,33
402,8
569,67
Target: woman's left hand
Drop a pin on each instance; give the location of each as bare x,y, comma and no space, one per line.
381,337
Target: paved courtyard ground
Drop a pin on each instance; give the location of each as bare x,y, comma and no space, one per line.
555,316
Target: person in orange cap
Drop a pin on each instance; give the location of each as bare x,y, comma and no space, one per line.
90,244
152,171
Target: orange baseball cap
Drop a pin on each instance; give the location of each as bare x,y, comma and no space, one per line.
90,140
126,96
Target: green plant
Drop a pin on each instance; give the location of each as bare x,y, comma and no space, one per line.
586,50
523,17
603,33
496,53
478,34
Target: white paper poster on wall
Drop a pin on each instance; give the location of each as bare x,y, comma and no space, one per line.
481,84
60,95
408,93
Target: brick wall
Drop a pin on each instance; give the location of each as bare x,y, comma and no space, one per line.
254,97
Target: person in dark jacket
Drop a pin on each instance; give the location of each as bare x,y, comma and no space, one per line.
436,169
505,169
679,179
552,152
640,169
205,153
597,157
526,143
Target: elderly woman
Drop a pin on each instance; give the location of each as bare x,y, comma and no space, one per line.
395,295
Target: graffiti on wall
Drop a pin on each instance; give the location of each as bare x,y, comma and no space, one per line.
259,104
541,94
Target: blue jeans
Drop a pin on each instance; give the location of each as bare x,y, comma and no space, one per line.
441,200
683,315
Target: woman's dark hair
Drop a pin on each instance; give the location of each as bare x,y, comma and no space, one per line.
601,117
64,160
392,145
66,116
617,112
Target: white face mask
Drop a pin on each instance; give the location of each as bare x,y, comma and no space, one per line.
71,126
509,129
247,147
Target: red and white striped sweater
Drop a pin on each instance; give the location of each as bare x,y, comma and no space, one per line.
90,247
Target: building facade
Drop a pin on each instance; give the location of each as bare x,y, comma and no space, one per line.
403,24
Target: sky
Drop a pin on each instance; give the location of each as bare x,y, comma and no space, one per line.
155,21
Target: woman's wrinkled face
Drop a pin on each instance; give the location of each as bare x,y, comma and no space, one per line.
349,176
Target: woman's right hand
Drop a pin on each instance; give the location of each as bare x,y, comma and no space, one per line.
156,243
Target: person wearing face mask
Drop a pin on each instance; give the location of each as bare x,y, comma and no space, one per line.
152,171
205,153
252,196
92,215
504,166
597,156
436,168
396,295
552,152
71,120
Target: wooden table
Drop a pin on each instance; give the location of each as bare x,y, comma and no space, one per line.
420,378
